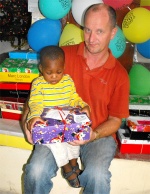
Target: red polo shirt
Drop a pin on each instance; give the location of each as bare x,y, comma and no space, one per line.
105,89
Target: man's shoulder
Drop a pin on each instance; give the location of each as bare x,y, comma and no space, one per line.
72,48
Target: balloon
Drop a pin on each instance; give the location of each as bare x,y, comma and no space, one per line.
44,32
118,4
54,9
144,49
71,35
139,80
79,7
136,25
118,44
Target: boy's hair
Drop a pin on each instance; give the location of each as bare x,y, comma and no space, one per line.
111,12
51,52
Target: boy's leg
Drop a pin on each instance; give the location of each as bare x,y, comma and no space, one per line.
96,157
39,171
70,175
75,166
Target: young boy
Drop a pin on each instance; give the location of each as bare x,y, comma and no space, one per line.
51,89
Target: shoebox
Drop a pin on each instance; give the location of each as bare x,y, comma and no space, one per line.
130,146
139,127
139,100
16,90
24,54
11,109
18,70
61,125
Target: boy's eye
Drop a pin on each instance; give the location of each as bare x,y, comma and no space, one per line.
59,72
48,73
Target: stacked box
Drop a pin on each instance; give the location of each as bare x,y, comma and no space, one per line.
140,100
75,126
11,110
14,90
18,70
24,55
139,127
130,146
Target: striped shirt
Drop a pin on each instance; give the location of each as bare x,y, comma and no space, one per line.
44,94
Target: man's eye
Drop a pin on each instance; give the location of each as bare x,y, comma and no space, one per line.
86,30
99,32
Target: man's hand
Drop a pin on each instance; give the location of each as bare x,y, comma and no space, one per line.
82,142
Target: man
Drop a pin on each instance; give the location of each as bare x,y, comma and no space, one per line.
103,83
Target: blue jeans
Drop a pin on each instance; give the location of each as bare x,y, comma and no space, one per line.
95,156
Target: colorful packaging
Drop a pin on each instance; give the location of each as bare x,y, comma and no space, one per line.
23,55
65,127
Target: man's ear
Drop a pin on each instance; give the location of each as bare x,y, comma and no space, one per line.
113,33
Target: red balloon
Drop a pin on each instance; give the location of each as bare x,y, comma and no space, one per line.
118,4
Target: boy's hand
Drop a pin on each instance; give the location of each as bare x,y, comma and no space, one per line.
32,122
86,109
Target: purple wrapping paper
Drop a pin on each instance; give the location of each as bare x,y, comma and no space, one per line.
67,130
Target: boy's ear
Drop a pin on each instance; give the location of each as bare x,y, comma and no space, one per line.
40,68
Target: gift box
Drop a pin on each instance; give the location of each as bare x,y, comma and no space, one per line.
11,110
15,90
129,146
69,127
18,70
139,127
23,55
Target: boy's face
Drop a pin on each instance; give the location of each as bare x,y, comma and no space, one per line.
52,70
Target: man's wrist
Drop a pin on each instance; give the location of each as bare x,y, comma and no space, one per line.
97,135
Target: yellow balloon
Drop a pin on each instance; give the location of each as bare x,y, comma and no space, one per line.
71,35
136,25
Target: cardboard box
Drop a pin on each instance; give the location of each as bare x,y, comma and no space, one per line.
139,100
139,127
15,105
19,66
24,54
18,70
11,114
15,86
73,126
127,145
15,90
11,110
15,93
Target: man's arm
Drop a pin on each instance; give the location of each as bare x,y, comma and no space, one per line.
108,128
105,129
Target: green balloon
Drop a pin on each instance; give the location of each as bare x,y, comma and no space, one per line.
139,80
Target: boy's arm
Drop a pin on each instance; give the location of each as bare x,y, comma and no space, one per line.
26,132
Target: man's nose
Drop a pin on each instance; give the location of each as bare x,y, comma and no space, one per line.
91,37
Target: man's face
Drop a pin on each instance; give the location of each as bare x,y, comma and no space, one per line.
98,31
